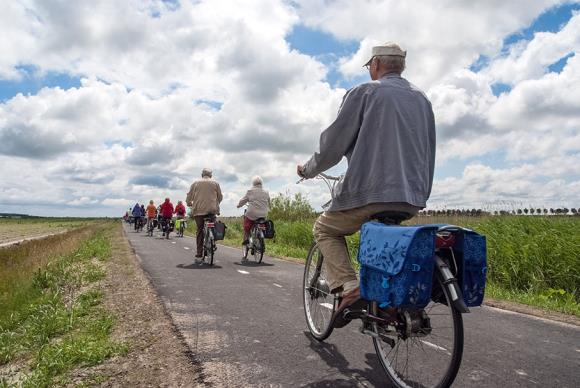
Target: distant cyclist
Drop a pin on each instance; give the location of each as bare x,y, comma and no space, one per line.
151,212
386,130
204,198
258,201
137,213
166,212
180,210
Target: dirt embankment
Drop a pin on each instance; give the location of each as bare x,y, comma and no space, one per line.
157,356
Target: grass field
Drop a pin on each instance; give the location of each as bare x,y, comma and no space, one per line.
51,318
12,230
532,260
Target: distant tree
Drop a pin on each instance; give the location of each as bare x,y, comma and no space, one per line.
545,211
532,211
519,211
558,211
526,211
551,210
574,211
565,210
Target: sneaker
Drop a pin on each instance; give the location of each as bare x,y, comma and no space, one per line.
351,300
198,255
245,242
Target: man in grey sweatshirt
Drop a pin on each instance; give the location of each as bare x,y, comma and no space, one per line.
386,130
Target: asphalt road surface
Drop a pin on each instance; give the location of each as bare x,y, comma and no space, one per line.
245,326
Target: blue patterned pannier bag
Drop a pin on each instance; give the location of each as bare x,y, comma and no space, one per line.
470,253
397,264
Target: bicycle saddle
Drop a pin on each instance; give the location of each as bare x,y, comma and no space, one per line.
209,217
260,220
390,217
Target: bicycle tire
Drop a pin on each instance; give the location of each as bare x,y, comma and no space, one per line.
258,245
246,249
262,249
212,248
436,350
318,313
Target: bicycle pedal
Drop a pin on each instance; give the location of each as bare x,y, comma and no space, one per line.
354,314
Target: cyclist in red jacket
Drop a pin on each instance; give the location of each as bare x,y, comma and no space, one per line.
180,210
166,214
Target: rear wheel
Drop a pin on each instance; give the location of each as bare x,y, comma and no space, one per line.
319,303
427,357
259,246
209,246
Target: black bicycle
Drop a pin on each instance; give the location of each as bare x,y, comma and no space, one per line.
419,347
209,245
138,224
166,227
256,245
182,227
151,223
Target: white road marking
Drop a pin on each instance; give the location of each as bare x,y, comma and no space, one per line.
244,272
521,372
186,248
436,347
327,305
173,242
277,285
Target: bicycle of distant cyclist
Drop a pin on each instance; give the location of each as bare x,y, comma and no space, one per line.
166,226
415,347
150,226
256,245
209,245
138,224
182,227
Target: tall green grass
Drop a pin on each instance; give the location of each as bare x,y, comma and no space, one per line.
531,259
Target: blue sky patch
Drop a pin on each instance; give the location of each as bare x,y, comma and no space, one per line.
481,62
550,21
315,42
31,83
557,66
215,105
326,49
499,88
122,143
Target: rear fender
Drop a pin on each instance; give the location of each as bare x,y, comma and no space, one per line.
450,282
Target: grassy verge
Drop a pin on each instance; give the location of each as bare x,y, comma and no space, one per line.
531,260
51,314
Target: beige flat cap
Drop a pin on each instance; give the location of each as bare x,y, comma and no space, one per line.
388,48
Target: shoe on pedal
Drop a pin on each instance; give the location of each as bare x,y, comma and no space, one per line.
351,300
198,255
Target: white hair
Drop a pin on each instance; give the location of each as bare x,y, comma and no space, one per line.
206,172
257,181
392,62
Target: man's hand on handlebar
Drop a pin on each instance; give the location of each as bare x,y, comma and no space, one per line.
300,171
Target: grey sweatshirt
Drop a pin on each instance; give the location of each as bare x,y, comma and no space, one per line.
258,201
386,130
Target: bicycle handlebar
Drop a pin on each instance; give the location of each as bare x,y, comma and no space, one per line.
322,176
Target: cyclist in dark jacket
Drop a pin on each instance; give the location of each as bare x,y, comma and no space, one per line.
137,213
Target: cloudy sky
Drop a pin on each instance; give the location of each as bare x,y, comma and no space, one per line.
104,103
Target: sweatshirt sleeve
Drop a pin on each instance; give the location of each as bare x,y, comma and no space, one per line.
244,200
219,193
189,197
339,136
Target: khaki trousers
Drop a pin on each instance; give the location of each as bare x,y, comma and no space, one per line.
331,228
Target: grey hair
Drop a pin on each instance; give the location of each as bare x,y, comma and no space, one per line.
257,181
206,172
392,62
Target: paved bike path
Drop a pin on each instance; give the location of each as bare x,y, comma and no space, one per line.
245,325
